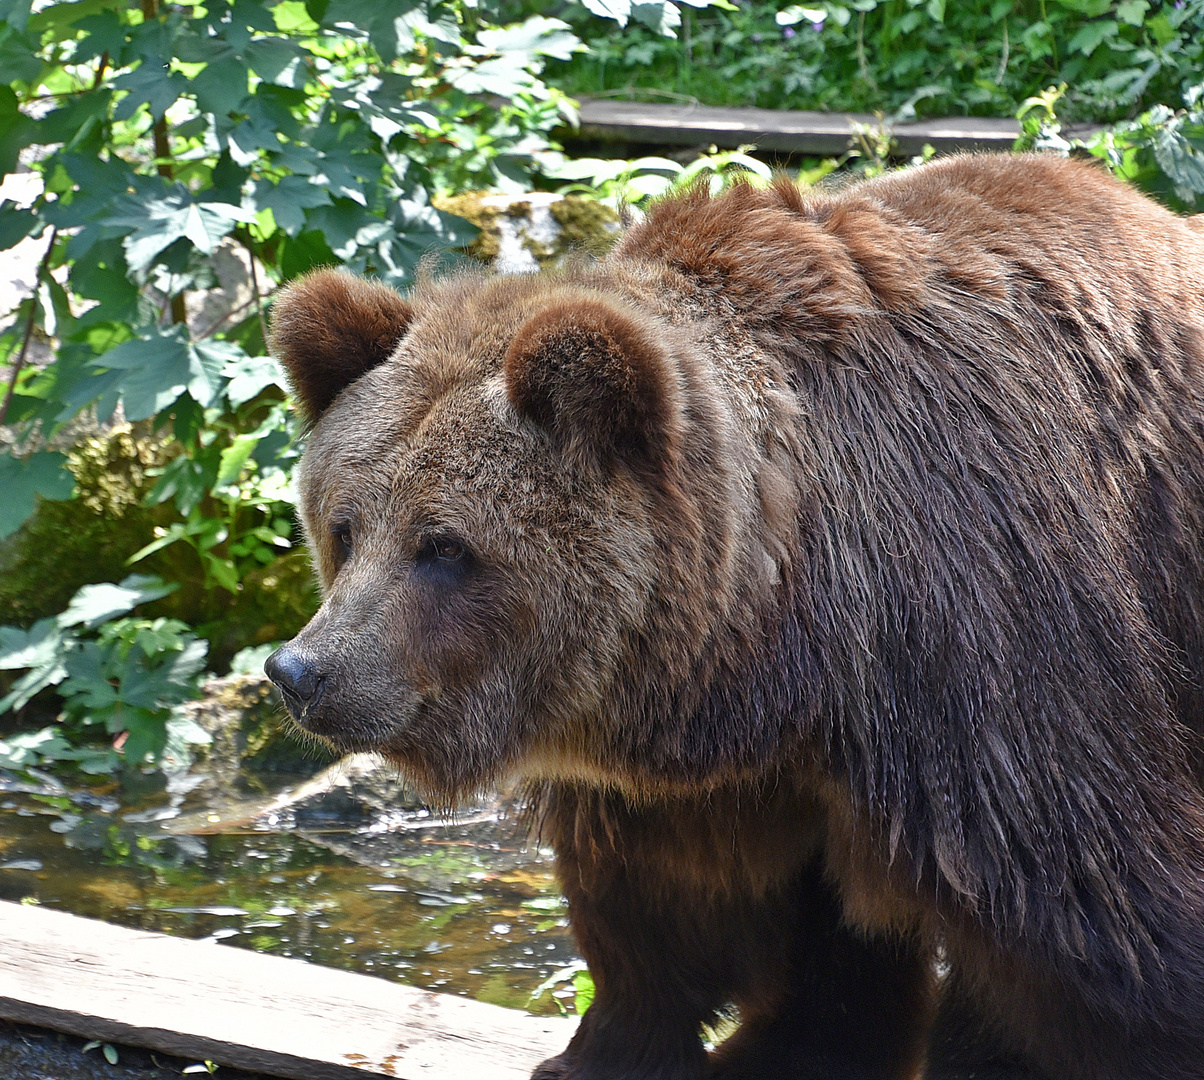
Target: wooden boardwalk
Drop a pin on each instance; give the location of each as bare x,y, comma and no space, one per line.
263,1013
781,130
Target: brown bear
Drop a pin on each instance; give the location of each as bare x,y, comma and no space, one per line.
830,566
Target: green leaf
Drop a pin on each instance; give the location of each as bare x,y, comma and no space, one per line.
583,983
104,33
660,16
288,200
416,23
16,130
16,224
151,84
414,229
18,55
155,370
1132,11
337,178
794,15
234,457
41,650
75,120
35,647
23,480
31,747
207,362
1092,35
1181,162
535,37
249,375
221,87
96,604
278,61
15,12
504,76
60,20
160,220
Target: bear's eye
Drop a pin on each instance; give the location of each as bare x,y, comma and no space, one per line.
445,549
341,532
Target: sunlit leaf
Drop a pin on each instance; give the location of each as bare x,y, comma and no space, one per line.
619,10
154,371
288,200
31,747
1180,161
249,375
160,220
207,363
95,604
29,648
661,16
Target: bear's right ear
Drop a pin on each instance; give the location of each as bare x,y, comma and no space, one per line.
328,329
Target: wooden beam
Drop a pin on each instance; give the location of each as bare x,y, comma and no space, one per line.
264,1013
782,130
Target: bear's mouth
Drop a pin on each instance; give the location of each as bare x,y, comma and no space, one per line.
347,727
299,706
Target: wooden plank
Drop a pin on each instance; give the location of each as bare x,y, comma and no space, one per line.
792,131
264,1013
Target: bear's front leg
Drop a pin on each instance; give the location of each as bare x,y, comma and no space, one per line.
654,986
653,922
685,906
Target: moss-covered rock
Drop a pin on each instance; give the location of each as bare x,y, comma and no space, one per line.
88,539
251,738
64,545
521,234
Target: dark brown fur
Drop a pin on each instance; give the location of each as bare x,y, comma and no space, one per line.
833,571
337,327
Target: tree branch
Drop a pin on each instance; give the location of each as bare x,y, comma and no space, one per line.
43,267
179,311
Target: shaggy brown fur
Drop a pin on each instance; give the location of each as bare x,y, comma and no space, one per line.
831,565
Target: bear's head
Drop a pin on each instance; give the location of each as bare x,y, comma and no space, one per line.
520,497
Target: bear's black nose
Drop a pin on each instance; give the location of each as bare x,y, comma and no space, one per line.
300,683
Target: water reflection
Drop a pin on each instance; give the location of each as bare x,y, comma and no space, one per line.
462,907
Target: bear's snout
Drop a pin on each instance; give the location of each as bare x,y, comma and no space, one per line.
301,684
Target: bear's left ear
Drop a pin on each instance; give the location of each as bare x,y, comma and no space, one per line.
329,328
597,378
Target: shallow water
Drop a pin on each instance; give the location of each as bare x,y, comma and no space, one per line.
462,907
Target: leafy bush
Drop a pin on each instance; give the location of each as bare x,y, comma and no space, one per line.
281,134
1161,151
909,57
124,675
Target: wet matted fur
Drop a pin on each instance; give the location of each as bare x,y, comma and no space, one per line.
830,565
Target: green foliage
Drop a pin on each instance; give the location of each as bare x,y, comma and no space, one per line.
630,182
910,57
23,480
122,675
571,981
1161,151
